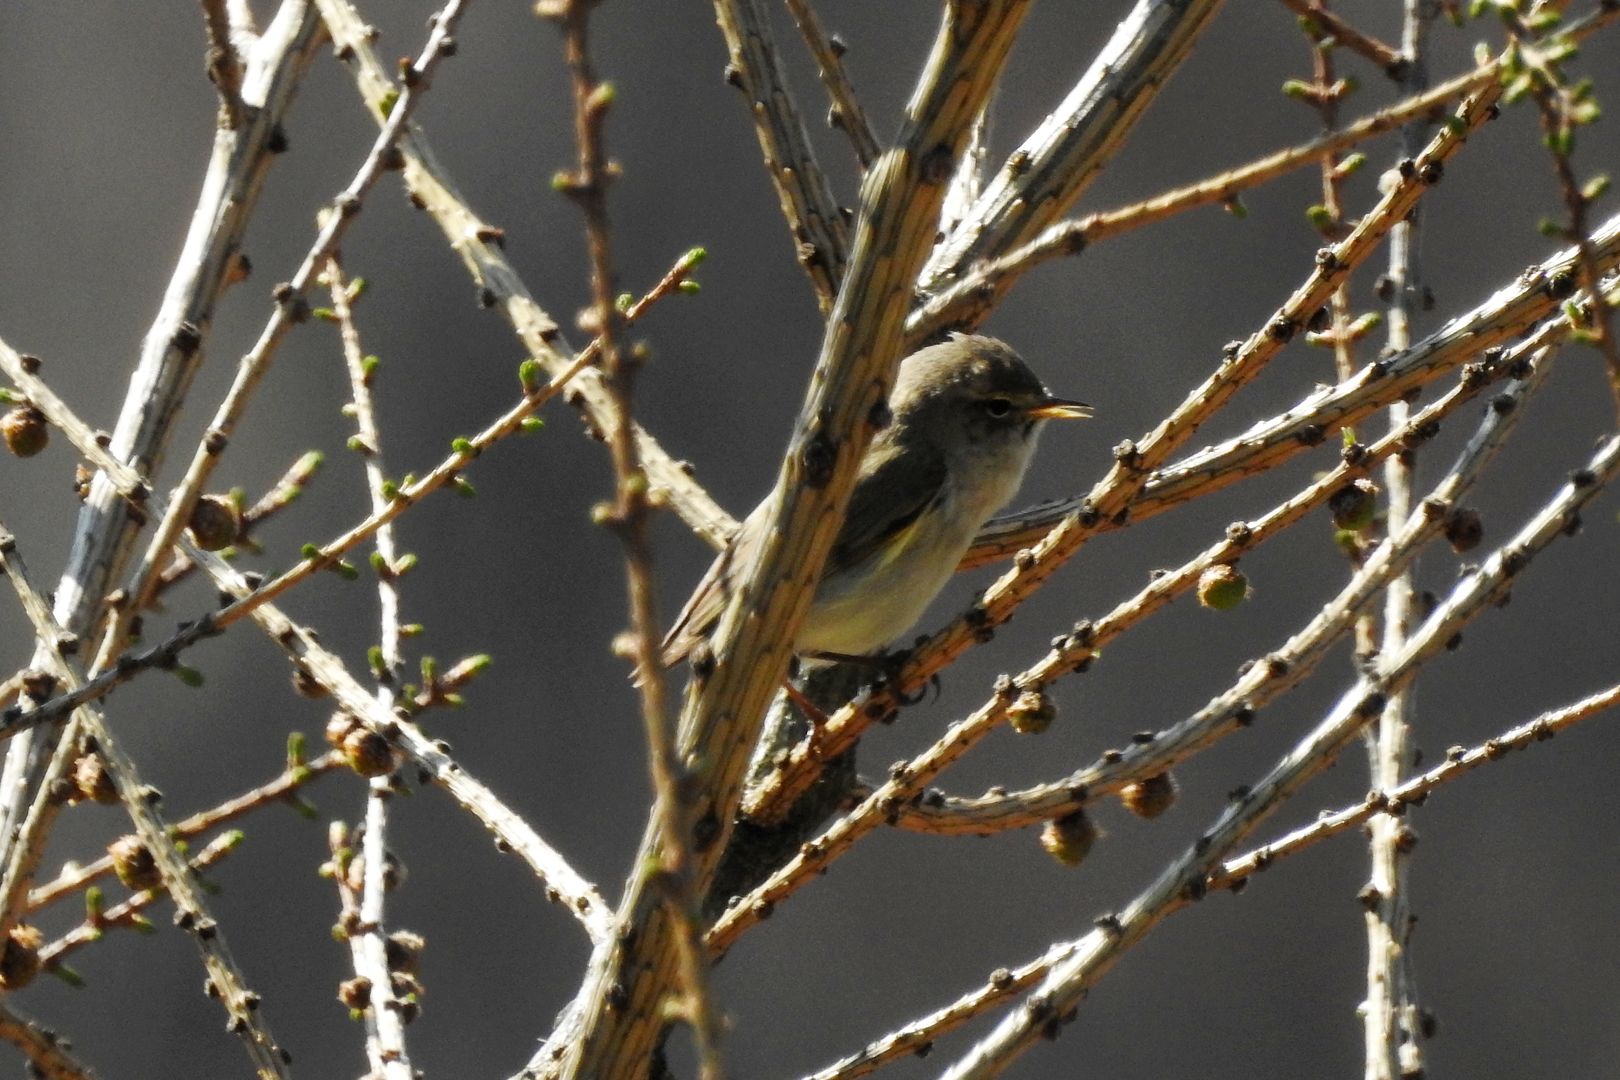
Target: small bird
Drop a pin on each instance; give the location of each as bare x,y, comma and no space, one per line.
965,416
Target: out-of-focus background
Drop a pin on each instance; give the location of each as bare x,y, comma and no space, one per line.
105,124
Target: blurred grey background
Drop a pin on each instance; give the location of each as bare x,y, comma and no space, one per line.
105,124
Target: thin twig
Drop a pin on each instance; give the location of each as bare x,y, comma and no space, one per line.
128,913
277,790
1412,792
47,1051
1392,1028
673,821
368,944
846,113
1343,33
224,64
820,235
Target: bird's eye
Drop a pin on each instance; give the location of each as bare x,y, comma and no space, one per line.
998,407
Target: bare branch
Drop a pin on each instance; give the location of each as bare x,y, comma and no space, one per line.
846,113
224,64
47,1051
368,946
1062,156
820,236
672,829
1413,792
1324,23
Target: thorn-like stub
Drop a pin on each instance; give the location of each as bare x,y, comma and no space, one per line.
1464,529
937,165
879,416
817,458
186,338
705,831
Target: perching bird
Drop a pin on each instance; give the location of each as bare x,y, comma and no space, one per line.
966,413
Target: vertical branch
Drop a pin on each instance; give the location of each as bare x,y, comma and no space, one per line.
819,233
1390,1013
673,786
368,944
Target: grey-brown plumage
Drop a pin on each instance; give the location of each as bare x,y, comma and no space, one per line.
965,416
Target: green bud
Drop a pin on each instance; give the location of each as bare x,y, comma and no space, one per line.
531,375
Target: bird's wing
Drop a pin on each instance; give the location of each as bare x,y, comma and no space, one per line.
895,488
708,601
891,493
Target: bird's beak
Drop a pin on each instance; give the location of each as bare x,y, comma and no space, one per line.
1059,409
